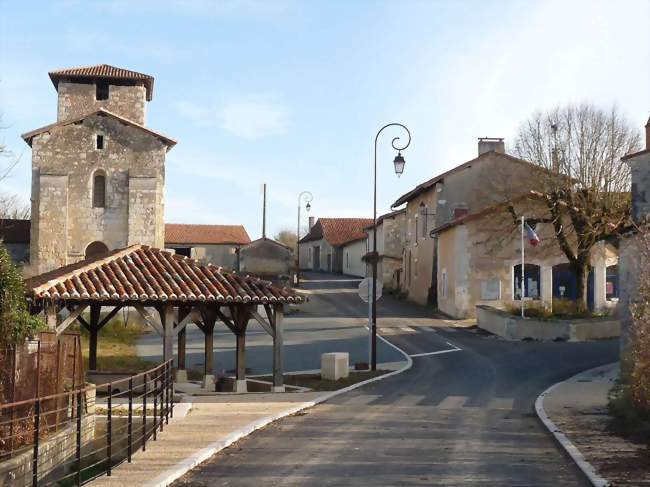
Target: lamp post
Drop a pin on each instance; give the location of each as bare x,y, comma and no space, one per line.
399,163
307,197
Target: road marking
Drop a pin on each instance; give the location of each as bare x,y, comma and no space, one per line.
452,402
429,329
409,400
449,350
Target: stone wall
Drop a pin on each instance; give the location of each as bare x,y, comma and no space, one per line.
64,162
77,99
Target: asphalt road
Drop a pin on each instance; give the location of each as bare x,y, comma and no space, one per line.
453,419
319,327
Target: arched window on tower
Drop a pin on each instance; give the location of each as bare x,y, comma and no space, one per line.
96,248
99,190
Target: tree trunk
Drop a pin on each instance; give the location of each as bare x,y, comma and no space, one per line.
581,269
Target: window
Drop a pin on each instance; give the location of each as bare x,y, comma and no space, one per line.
416,229
424,221
99,142
531,281
101,90
611,282
347,260
99,191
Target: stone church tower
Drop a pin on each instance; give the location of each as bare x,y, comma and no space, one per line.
98,173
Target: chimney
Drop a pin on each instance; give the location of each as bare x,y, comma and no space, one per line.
647,135
311,222
491,144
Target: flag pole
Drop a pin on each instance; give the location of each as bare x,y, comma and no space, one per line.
522,291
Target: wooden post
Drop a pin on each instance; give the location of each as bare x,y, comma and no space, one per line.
183,311
95,310
167,319
209,349
241,321
278,318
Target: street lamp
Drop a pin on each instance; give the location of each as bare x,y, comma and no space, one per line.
307,197
399,163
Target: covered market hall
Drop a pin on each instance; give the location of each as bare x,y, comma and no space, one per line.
168,291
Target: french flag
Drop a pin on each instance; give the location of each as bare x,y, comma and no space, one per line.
533,238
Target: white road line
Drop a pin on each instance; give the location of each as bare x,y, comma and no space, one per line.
449,350
429,329
452,402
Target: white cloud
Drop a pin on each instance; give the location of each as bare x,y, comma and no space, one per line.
254,119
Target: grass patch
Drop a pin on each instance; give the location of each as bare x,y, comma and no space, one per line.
314,381
116,351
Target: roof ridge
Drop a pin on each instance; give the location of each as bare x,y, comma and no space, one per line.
89,266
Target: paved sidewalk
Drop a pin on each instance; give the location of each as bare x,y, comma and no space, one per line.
578,407
212,423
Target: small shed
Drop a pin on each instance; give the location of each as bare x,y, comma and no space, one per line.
267,258
168,291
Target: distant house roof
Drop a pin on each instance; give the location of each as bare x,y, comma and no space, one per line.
149,275
269,241
29,136
14,231
338,231
103,72
178,233
421,188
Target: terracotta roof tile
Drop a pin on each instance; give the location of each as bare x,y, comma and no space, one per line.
103,71
177,233
146,274
338,231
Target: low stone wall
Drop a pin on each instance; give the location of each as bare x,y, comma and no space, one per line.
54,449
512,327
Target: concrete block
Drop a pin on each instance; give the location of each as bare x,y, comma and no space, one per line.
240,386
278,389
180,376
208,382
334,366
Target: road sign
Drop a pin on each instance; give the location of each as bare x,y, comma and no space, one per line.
365,289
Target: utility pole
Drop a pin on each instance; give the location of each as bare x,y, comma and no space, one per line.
264,211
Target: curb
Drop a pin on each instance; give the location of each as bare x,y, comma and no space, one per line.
587,468
187,464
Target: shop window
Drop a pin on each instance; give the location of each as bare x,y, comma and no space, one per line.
532,281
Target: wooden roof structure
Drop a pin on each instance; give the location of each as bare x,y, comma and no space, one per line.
169,291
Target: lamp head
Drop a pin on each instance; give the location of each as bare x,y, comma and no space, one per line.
399,163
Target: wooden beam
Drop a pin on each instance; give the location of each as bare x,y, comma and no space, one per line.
83,323
150,319
183,313
210,314
95,311
268,328
167,318
278,344
226,321
193,316
109,316
70,318
51,316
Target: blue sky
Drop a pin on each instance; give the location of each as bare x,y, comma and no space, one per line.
292,93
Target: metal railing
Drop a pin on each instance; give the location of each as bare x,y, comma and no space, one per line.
108,423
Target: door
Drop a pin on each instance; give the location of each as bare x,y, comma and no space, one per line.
316,263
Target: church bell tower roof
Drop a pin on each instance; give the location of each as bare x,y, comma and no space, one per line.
103,72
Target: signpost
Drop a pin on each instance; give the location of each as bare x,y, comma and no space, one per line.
365,293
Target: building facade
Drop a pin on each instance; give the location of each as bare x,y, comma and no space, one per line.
209,244
97,173
322,248
391,241
632,245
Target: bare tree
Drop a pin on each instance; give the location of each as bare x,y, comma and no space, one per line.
12,206
288,238
585,185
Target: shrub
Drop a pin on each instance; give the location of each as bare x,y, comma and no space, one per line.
16,323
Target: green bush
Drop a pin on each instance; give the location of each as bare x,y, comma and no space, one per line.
16,323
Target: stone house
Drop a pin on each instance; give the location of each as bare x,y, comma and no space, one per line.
352,253
476,268
98,172
213,244
639,163
322,249
443,251
391,241
268,259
